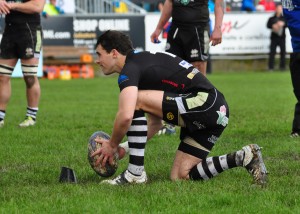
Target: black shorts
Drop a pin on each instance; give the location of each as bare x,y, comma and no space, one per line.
189,43
203,116
21,41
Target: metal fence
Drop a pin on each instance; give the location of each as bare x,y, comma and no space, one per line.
104,6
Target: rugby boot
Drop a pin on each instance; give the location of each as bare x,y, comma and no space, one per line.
127,178
254,164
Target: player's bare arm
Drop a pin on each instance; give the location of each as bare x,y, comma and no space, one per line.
164,18
127,103
216,36
33,6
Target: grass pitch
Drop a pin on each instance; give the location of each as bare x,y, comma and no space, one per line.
261,111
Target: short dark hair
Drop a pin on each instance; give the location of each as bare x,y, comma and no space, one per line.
113,39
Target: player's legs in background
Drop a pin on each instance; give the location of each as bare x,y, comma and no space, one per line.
272,53
6,69
282,55
201,66
33,91
295,75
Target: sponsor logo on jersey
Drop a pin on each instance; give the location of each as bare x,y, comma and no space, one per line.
288,4
170,116
170,83
122,78
29,51
194,53
199,125
185,64
213,139
223,119
193,73
197,101
184,2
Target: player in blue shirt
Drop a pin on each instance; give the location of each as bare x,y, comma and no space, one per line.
291,12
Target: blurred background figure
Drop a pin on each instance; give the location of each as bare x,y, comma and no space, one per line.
266,5
277,24
248,6
120,7
51,9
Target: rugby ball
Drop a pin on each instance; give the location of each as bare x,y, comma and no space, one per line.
108,170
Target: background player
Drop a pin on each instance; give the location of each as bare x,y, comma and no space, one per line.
189,34
22,39
291,12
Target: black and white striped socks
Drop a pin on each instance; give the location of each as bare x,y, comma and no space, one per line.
2,115
32,112
137,138
212,166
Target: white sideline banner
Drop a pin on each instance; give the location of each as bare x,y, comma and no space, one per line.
243,33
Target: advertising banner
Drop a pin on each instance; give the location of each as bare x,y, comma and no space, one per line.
66,30
84,30
58,30
243,33
246,33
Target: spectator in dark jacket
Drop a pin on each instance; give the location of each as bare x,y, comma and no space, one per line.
277,24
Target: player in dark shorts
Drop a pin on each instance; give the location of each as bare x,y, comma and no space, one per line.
22,39
189,34
167,87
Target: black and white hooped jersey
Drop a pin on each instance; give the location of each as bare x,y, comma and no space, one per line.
161,71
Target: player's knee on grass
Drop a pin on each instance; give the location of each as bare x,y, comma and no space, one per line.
182,166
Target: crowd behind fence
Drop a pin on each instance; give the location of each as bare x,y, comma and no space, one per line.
143,6
106,6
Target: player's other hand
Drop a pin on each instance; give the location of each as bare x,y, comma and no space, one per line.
4,7
155,35
216,37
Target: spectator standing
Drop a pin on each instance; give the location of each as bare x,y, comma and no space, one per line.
291,12
248,5
51,9
266,5
22,39
277,24
120,7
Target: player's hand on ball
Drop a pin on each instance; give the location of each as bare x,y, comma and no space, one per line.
95,155
106,152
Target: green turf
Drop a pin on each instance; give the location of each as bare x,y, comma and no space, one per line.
261,111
